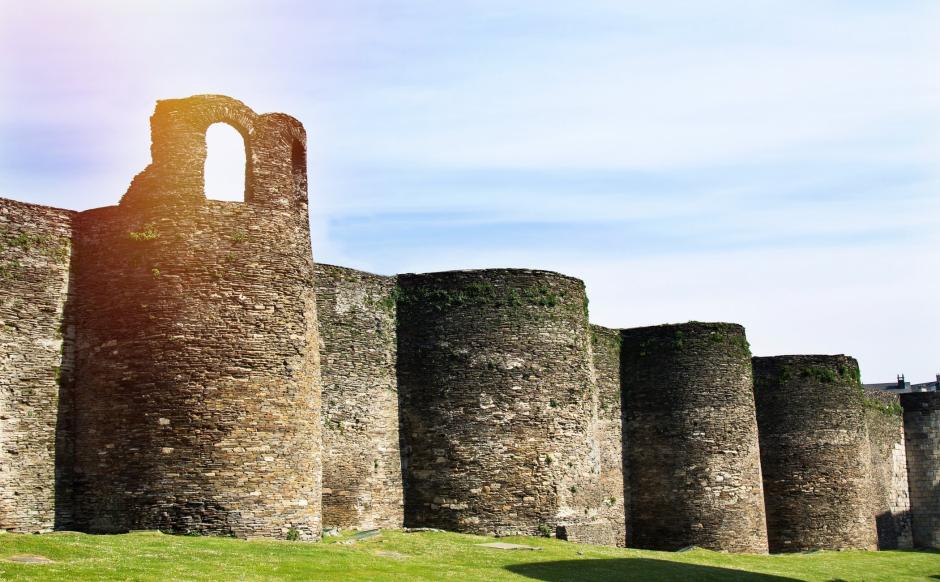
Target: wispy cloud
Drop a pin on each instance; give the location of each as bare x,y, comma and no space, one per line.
769,162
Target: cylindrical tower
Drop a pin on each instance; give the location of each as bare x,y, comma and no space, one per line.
196,382
691,437
496,401
362,483
922,436
814,453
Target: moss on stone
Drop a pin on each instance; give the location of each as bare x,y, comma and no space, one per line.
147,232
888,409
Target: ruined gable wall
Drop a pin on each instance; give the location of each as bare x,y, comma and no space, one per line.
34,280
890,496
362,480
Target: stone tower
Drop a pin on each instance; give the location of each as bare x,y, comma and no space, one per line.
690,439
815,453
496,402
194,404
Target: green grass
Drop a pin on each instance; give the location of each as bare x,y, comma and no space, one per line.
424,556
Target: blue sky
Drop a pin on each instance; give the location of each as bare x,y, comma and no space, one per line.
771,163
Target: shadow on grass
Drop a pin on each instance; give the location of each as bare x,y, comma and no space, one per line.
632,569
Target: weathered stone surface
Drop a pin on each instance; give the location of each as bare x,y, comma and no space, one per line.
159,369
691,439
609,434
196,401
922,437
891,502
598,534
34,280
496,402
362,481
815,453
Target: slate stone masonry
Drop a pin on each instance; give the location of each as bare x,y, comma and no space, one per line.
496,402
362,480
922,425
196,395
815,453
606,352
690,439
890,490
160,369
35,357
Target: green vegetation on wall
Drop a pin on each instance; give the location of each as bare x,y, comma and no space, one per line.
479,292
147,232
844,375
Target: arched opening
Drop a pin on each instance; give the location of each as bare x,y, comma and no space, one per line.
226,163
298,157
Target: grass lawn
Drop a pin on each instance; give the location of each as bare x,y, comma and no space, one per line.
423,556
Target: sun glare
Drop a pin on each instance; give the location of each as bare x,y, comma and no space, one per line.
225,163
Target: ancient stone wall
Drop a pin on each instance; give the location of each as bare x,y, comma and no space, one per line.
496,402
691,439
606,352
890,495
197,394
34,359
922,436
362,481
814,453
160,369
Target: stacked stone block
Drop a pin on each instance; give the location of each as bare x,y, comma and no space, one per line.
815,453
196,393
362,481
496,402
35,358
890,493
690,439
922,436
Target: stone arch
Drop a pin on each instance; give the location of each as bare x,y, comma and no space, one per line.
275,152
178,149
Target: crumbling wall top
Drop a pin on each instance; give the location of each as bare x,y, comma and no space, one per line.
275,153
